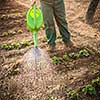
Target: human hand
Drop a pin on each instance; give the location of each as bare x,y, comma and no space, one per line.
32,3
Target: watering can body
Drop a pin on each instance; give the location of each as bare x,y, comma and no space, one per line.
34,19
34,22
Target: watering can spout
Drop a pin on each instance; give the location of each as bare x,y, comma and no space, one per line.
35,37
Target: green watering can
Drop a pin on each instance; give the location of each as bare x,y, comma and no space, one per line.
34,22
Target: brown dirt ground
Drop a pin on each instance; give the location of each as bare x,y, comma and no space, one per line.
73,74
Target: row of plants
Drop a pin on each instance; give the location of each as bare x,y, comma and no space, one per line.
3,17
20,45
66,57
89,89
11,32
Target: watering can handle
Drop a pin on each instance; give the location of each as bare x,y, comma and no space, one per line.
34,2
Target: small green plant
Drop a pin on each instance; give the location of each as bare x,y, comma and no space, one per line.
16,46
66,57
25,43
53,98
96,82
74,55
89,89
71,55
73,95
56,60
83,53
44,40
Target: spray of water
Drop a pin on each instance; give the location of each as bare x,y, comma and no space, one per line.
37,63
38,77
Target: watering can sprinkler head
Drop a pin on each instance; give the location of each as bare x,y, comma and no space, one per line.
34,22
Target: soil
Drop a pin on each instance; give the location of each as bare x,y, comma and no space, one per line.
72,74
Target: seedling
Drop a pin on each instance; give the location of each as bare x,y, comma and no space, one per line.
66,57
83,53
53,98
16,46
74,55
44,39
96,82
73,95
56,60
89,89
25,43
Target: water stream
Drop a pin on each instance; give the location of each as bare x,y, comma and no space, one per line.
38,76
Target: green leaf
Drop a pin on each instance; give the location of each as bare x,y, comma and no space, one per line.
89,89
